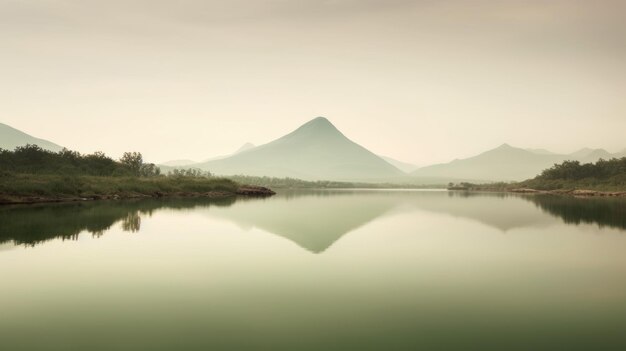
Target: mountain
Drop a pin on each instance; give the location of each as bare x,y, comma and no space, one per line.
595,155
191,163
541,151
504,163
508,163
584,152
314,151
403,166
10,138
244,147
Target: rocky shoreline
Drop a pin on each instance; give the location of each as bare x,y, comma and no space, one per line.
247,191
574,192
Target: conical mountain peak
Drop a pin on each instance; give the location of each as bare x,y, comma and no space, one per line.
318,123
320,119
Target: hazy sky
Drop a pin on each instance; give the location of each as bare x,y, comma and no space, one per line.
422,81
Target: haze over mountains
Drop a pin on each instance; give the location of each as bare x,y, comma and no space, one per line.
318,151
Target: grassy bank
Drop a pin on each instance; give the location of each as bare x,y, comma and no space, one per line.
51,187
30,174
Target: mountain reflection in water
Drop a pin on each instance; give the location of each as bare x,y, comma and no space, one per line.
314,220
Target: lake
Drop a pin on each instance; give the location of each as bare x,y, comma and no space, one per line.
316,270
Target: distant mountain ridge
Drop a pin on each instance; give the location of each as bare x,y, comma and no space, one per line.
192,163
316,150
10,138
504,163
541,151
508,163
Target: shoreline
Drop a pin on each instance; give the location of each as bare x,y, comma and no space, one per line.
568,192
260,191
571,192
244,191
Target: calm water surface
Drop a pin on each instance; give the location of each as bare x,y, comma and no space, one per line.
316,270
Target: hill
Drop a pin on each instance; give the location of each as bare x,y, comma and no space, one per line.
184,163
10,138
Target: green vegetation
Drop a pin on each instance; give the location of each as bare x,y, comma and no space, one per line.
602,175
51,185
30,173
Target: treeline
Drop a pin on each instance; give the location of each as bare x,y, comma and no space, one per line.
496,186
287,183
607,175
294,183
32,159
189,173
574,170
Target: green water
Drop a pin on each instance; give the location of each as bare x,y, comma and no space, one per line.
316,270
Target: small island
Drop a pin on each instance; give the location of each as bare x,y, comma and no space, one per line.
30,174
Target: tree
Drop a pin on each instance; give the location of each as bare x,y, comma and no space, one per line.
133,161
150,170
189,173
